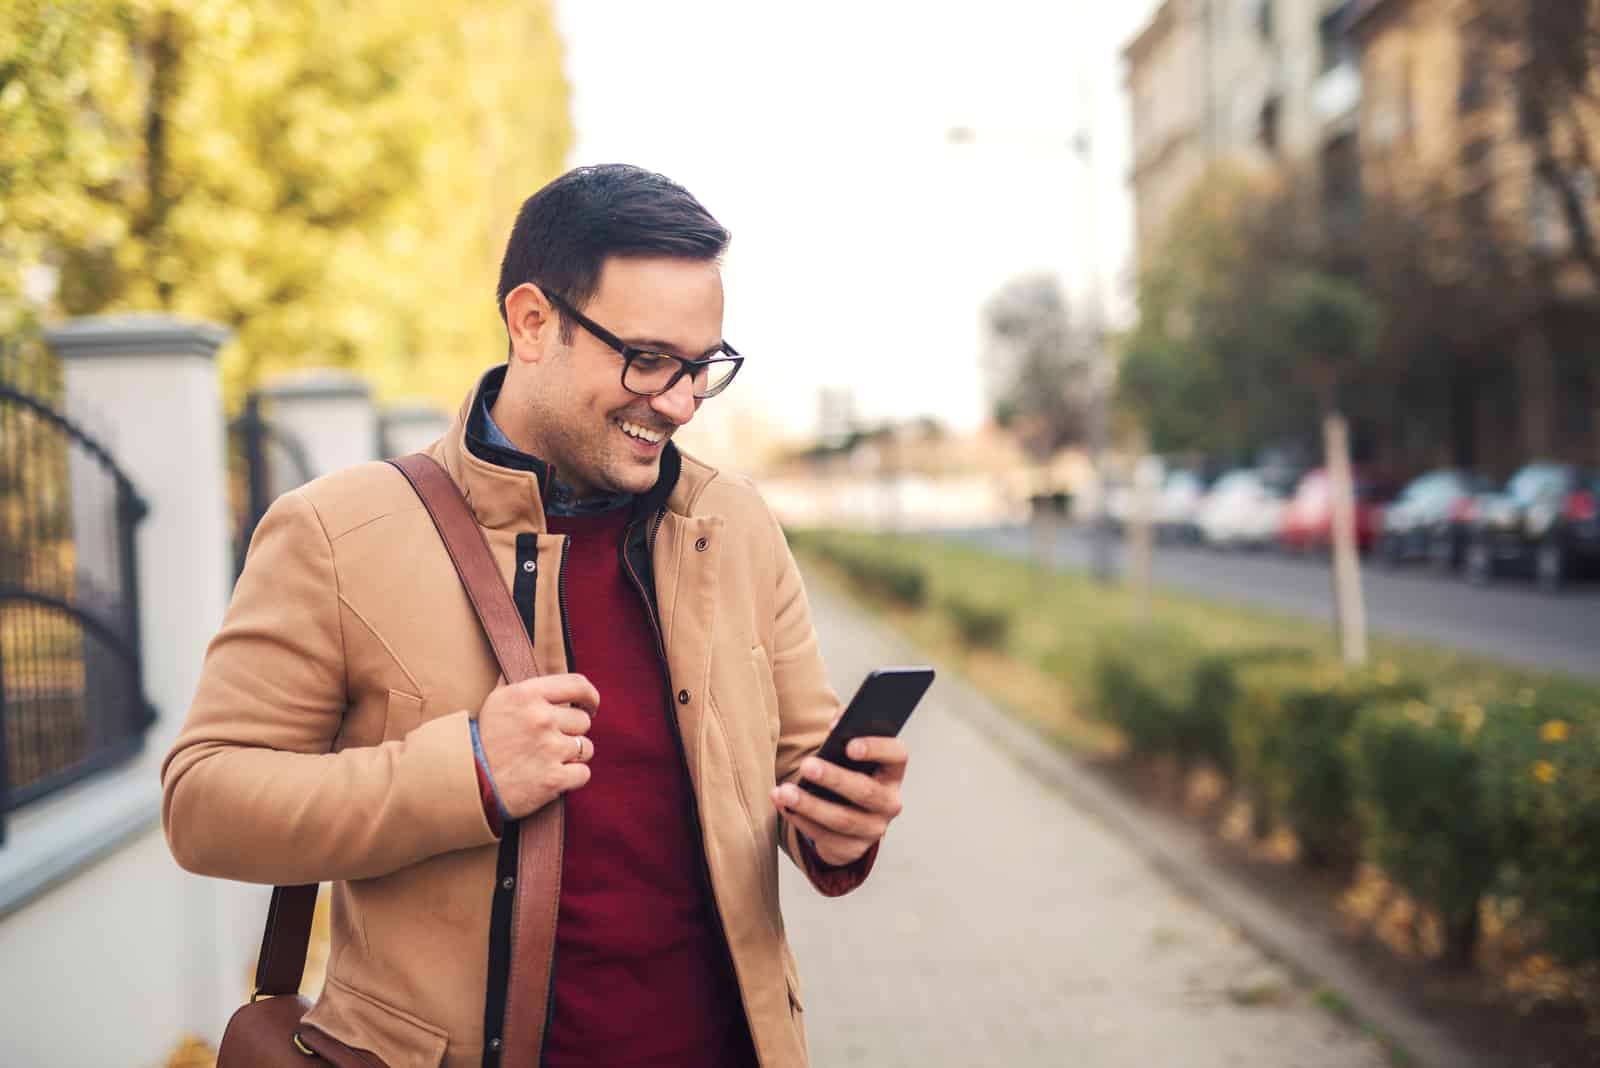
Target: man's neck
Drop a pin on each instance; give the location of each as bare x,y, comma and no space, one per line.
565,498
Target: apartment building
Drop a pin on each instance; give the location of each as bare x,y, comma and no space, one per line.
1246,80
1445,126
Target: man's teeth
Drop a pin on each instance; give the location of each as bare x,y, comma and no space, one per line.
637,431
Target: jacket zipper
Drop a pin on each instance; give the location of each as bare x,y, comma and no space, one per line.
677,737
566,645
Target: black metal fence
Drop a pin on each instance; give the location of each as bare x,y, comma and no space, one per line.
71,680
263,461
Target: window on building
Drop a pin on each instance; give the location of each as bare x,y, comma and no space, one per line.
1264,19
1333,44
1341,186
1474,91
1271,113
1474,152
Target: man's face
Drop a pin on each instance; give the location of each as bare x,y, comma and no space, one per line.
596,433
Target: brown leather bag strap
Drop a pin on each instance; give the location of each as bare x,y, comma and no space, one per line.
463,538
540,834
288,930
282,963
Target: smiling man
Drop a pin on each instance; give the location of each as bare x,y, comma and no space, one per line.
350,725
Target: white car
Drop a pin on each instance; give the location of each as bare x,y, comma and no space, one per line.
1241,511
1178,505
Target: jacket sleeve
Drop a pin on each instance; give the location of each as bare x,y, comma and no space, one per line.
807,705
253,789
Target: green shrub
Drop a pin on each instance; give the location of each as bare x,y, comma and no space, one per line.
1141,684
1288,734
1203,732
980,626
876,571
1419,802
1540,782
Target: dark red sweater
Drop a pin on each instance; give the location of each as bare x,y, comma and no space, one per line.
642,972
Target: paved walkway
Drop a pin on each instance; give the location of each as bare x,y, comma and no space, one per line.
1003,926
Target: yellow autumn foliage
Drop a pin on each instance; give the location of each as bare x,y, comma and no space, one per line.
332,180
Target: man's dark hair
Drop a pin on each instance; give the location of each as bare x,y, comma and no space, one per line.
565,231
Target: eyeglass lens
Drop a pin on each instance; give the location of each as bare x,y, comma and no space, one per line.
651,373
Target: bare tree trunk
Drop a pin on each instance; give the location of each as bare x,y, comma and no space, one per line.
1349,607
1139,537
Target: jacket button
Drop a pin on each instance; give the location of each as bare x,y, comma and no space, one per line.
683,697
494,1044
507,883
702,545
529,566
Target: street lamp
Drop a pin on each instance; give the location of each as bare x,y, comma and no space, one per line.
1081,144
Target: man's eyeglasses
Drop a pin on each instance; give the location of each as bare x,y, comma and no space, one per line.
648,373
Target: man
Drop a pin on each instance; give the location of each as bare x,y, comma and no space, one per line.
350,725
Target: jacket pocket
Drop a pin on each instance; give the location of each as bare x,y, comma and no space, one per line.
362,1022
404,715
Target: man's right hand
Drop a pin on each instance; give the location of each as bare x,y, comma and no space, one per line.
535,738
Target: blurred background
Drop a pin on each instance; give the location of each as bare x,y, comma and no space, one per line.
1213,384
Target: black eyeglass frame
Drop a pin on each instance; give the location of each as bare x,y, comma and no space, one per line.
630,352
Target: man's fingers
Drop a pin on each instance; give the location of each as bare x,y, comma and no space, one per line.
885,752
853,786
840,819
574,777
570,689
572,720
826,841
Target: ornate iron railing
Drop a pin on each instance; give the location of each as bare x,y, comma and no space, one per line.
71,677
263,461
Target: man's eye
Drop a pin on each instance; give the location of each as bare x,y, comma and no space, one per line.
649,361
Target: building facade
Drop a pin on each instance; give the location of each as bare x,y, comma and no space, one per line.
1255,81
1445,129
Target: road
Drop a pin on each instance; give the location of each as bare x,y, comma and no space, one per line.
1005,926
1509,621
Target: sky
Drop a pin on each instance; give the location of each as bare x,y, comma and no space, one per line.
865,242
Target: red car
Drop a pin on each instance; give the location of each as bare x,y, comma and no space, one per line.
1308,521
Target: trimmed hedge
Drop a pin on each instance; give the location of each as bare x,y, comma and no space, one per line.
1141,685
1453,802
877,573
980,626
1419,795
1540,779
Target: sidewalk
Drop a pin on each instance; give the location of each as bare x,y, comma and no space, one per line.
1004,926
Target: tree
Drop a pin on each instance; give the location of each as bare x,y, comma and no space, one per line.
331,184
1553,52
1205,369
1040,369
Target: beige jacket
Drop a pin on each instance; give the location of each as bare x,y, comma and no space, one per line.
328,740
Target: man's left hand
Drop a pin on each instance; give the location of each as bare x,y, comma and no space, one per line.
840,833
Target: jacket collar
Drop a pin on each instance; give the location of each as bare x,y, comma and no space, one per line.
506,488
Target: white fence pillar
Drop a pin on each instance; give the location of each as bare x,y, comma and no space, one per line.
155,951
411,427
329,413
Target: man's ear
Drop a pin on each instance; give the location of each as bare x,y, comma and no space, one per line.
531,322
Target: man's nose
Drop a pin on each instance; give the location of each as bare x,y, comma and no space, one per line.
677,404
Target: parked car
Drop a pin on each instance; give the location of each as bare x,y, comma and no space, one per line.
1308,519
1177,507
1545,522
1430,519
1243,510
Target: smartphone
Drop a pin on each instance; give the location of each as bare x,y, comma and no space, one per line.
878,710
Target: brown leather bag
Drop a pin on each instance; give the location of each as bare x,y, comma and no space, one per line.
269,1032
